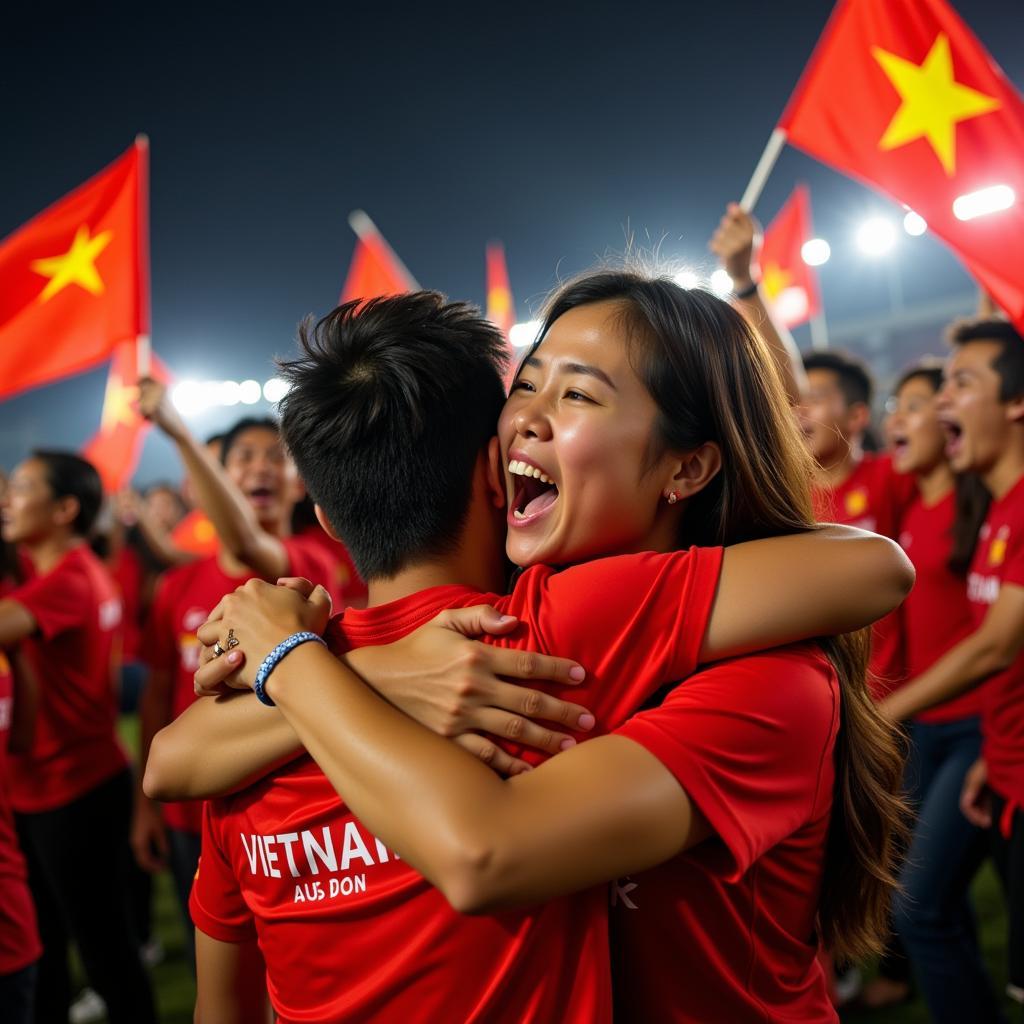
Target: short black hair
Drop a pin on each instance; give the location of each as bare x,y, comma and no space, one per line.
929,368
71,476
390,403
232,434
1009,364
854,378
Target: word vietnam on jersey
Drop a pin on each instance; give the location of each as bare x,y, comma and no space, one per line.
349,931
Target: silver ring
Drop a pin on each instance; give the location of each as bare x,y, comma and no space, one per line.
232,640
217,649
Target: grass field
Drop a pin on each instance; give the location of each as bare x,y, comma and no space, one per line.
175,988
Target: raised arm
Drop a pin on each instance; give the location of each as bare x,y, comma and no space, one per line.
232,516
831,580
733,244
991,648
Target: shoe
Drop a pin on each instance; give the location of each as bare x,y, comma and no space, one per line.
87,1007
847,986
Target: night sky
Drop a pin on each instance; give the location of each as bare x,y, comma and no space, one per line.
565,131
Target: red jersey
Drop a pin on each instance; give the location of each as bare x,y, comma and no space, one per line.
935,615
129,576
19,937
78,614
727,930
351,933
348,583
183,601
999,559
873,497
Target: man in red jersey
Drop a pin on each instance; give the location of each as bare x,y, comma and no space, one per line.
71,790
248,495
287,854
858,488
982,407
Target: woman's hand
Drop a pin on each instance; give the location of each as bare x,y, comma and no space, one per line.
976,797
452,685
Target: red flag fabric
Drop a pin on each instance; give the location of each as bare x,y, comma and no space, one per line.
375,269
789,284
501,310
901,95
75,279
115,448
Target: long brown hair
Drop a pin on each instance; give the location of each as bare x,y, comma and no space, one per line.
714,379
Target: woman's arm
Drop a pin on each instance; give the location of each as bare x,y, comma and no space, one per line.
605,808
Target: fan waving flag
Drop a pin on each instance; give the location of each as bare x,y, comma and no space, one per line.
789,284
73,280
901,95
375,269
115,448
500,309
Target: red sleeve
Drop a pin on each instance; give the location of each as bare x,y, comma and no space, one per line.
159,647
750,740
60,600
216,904
630,617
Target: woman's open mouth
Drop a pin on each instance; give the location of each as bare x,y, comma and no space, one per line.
534,493
954,437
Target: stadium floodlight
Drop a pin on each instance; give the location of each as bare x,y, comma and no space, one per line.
249,392
274,390
876,236
914,224
721,283
229,392
525,334
687,279
984,201
815,252
187,397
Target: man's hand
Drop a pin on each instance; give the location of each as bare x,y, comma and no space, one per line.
156,406
733,244
261,616
149,836
976,797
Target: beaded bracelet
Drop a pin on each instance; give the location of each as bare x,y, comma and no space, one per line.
271,661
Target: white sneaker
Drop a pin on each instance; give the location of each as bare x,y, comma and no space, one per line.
848,985
88,1007
1015,992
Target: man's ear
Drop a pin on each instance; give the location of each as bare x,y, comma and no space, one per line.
321,518
66,510
495,474
858,418
696,469
1015,409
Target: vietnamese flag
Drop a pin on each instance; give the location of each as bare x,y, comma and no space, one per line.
789,284
115,448
901,95
375,269
501,311
73,280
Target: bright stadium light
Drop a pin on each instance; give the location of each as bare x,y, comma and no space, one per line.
876,236
984,201
914,224
524,334
815,252
687,279
249,392
275,389
187,397
229,392
721,282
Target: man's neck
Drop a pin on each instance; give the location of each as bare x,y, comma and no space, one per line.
838,469
1008,468
480,574
46,553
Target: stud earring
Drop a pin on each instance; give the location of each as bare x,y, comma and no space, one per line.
673,497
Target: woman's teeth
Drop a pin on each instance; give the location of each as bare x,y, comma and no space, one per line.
517,468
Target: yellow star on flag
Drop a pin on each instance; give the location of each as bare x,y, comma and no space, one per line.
774,280
117,404
933,101
499,301
76,266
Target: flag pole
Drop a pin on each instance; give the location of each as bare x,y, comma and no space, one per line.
819,331
359,221
752,193
143,348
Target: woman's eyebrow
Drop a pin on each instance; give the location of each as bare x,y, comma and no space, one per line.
590,371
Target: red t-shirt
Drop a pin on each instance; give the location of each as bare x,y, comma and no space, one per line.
999,559
183,601
351,933
78,613
873,497
348,583
129,576
935,616
726,931
19,937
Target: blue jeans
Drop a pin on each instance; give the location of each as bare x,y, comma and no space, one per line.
932,915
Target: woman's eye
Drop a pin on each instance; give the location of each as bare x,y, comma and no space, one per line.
520,385
577,396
